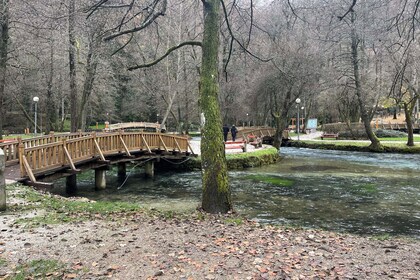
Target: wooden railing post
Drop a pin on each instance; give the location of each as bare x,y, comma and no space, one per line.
21,148
52,137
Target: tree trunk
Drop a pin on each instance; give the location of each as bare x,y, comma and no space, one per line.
72,66
366,119
91,65
216,191
4,40
278,135
408,108
51,122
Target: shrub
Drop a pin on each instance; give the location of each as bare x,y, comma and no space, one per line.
383,133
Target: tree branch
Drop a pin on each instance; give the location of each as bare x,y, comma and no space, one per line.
236,40
348,11
95,7
149,20
169,51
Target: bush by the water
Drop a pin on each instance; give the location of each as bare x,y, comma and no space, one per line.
380,133
354,134
383,133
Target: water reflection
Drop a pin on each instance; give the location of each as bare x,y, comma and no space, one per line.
355,192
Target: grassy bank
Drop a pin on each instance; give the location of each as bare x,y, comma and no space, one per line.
241,160
362,146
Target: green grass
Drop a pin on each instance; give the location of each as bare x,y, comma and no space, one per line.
61,210
234,221
382,237
39,269
366,188
257,153
23,136
101,126
404,139
3,262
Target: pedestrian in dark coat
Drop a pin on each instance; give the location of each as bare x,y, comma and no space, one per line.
225,132
233,131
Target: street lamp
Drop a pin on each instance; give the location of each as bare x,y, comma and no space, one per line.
303,117
247,118
35,100
298,121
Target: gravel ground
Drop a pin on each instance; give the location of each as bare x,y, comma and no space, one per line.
140,246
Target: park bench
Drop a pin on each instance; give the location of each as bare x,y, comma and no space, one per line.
235,145
329,135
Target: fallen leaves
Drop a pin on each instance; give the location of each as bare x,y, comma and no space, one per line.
191,250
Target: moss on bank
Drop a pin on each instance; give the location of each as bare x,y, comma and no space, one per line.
241,160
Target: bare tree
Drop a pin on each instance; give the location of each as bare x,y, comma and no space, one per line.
4,41
72,64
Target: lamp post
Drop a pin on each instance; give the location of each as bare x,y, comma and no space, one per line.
247,118
303,117
35,100
298,121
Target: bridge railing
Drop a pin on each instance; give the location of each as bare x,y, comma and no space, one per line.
69,152
11,147
259,132
118,126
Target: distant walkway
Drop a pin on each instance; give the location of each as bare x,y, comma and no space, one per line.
309,136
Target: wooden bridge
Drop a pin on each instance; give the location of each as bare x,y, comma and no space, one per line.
40,157
266,134
396,126
145,126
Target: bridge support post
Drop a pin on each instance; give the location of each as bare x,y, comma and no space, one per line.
150,169
71,184
100,179
122,170
2,182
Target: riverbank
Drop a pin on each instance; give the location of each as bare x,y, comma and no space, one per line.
236,158
360,146
43,236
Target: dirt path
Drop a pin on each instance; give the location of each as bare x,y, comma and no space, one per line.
138,246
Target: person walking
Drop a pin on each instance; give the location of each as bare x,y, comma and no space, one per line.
233,131
225,132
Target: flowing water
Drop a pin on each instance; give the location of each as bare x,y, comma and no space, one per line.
344,191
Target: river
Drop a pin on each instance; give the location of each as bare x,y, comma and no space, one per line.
365,193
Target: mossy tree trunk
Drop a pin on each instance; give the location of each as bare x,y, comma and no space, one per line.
4,39
216,197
